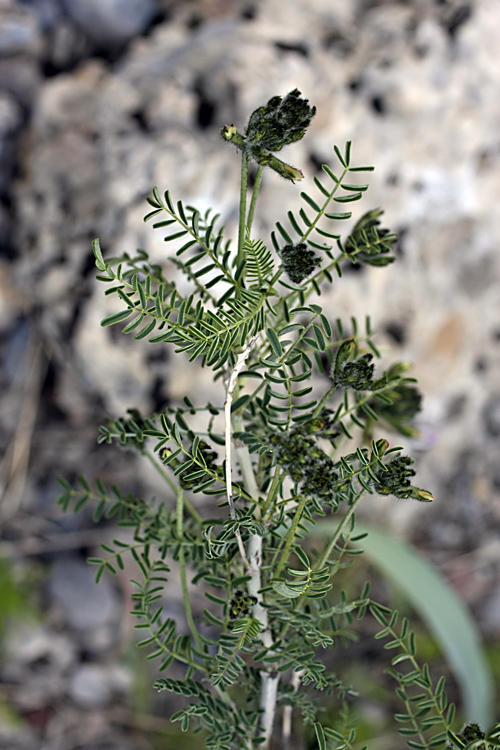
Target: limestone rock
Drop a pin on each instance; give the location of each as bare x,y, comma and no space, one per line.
112,21
93,611
19,31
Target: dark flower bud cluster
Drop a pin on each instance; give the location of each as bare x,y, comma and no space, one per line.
356,374
280,122
396,480
210,457
299,261
369,244
240,605
307,464
471,733
406,403
322,426
320,480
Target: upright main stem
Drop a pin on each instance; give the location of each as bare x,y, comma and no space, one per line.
269,679
233,377
243,207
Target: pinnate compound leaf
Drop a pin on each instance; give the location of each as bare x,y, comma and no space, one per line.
444,612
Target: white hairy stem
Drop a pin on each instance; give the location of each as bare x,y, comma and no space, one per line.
287,712
269,680
240,363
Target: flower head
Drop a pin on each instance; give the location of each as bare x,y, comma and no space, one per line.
280,122
299,261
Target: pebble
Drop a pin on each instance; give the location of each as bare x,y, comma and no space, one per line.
48,12
112,21
94,686
20,76
10,115
90,686
491,417
85,606
32,644
19,32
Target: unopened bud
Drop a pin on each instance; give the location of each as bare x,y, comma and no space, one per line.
382,446
422,495
230,133
398,368
344,353
285,170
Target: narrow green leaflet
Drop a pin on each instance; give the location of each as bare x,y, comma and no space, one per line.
441,608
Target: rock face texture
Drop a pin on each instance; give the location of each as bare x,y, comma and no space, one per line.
100,101
413,85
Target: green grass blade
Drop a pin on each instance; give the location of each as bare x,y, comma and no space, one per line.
440,607
445,614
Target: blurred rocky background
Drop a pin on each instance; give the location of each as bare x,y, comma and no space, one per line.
100,100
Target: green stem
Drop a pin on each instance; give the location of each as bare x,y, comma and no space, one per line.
276,553
325,205
177,656
324,400
273,491
243,207
276,276
321,562
333,541
253,202
291,535
182,569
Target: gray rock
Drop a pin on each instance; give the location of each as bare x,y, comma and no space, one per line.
19,32
112,21
10,115
84,605
420,106
48,12
20,76
90,686
10,122
491,417
31,644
